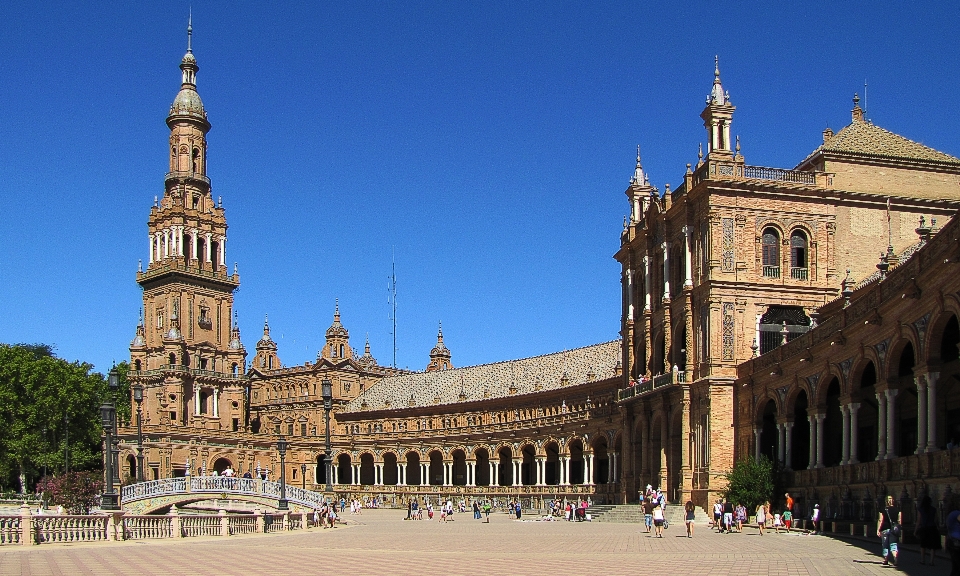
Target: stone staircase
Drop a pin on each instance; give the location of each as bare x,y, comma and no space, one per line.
633,514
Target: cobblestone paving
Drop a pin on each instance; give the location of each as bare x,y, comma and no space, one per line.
380,542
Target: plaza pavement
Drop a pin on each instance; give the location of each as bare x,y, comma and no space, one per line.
380,542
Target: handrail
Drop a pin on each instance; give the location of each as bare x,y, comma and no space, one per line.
659,381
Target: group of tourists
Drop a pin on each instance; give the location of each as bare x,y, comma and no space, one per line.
325,515
654,504
569,510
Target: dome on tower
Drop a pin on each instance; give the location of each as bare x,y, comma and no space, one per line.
337,329
266,342
188,103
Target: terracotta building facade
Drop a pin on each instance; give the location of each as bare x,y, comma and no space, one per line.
721,273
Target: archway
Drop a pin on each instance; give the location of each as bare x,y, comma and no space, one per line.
906,405
615,467
601,461
344,469
221,464
505,456
321,474
391,470
948,433
867,417
768,431
483,467
528,465
833,426
800,449
131,467
435,471
459,468
658,467
413,469
367,470
576,462
552,472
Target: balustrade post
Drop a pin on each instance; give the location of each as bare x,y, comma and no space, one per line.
224,522
26,527
175,525
115,526
286,520
258,521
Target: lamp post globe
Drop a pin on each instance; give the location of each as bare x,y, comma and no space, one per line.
326,389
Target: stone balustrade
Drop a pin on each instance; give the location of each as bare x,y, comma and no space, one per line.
31,529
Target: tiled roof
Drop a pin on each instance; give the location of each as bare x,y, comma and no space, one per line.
498,380
865,138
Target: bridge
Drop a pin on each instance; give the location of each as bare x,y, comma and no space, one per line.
156,495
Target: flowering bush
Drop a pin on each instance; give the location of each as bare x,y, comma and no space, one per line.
77,492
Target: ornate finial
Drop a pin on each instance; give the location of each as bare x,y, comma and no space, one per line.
624,222
883,265
139,265
700,153
190,32
336,310
236,318
155,202
439,331
366,346
638,175
738,143
141,316
688,168
857,110
234,268
266,324
847,290
716,69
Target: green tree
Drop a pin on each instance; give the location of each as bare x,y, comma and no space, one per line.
751,482
47,405
78,492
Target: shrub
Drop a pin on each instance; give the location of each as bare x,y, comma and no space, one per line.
751,482
77,492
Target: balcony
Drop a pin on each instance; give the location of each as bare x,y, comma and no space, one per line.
771,271
798,273
657,382
186,176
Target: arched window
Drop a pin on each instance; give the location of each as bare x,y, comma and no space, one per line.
137,365
771,253
173,359
798,255
196,159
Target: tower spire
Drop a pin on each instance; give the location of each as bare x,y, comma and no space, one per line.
638,178
190,32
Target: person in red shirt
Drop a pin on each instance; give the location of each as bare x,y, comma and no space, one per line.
789,508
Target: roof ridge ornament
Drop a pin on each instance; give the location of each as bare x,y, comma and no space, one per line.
857,111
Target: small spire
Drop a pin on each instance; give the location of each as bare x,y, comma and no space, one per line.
266,325
190,32
366,346
699,153
716,69
638,176
738,143
336,310
717,95
141,317
439,332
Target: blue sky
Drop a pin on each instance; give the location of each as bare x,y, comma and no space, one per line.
486,144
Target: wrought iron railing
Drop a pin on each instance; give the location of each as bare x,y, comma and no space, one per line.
798,273
640,388
771,271
779,174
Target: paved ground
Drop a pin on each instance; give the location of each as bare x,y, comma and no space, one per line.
380,542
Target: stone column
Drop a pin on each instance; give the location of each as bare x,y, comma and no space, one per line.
646,286
333,474
541,470
517,464
820,419
756,442
845,451
932,378
208,257
493,473
196,401
166,242
891,422
921,383
424,474
193,244
688,255
180,241
881,425
151,249
788,444
378,472
812,424
852,409
216,402
666,269
496,474
781,442
223,251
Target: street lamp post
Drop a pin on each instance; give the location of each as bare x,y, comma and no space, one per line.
138,398
110,501
303,475
326,388
282,449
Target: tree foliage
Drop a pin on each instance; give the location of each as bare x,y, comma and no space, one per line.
42,398
77,492
751,482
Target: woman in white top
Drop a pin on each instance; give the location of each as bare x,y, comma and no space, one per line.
761,517
658,520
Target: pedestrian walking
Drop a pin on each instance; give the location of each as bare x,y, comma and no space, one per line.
888,529
926,530
762,517
658,520
689,517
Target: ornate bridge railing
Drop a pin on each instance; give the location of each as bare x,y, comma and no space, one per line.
223,486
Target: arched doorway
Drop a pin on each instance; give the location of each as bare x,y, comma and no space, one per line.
576,462
552,472
528,465
505,456
833,426
768,431
344,469
391,470
131,467
367,472
800,449
906,405
221,464
459,468
948,433
413,469
436,468
601,461
483,467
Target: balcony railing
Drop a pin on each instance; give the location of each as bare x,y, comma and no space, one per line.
779,174
641,388
186,176
798,273
771,271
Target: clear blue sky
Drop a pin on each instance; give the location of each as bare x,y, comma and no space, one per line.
488,144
